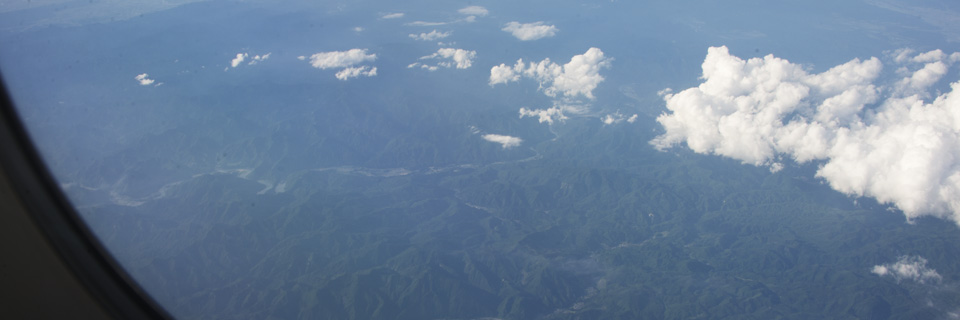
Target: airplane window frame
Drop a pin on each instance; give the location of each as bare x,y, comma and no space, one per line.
54,217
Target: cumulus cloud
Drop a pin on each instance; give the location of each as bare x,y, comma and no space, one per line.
144,80
474,11
393,15
346,60
576,78
449,57
571,81
353,72
430,36
548,115
238,60
530,31
875,138
340,59
505,141
241,57
912,268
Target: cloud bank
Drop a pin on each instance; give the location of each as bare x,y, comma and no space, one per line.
431,36
913,268
449,57
144,80
506,142
530,31
575,78
881,139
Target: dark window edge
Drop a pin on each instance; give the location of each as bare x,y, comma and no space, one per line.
62,227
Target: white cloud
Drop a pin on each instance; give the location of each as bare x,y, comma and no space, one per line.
450,57
505,141
353,72
530,31
258,58
573,80
776,167
611,119
423,66
241,57
504,73
912,268
393,15
425,23
576,78
144,81
431,36
548,115
877,139
340,59
358,29
471,13
346,60
474,11
238,60
617,117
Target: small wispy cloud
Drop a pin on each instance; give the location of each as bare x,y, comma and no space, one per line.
430,36
617,117
530,31
474,11
549,115
258,58
144,80
425,23
506,142
449,57
241,57
393,15
913,268
353,72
